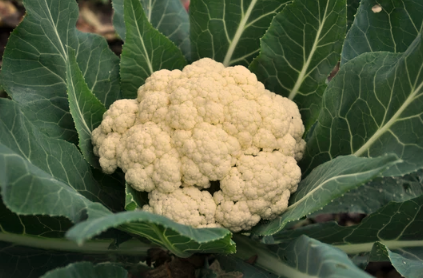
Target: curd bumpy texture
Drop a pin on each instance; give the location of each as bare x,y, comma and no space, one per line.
205,123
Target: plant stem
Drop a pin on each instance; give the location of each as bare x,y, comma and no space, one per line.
131,247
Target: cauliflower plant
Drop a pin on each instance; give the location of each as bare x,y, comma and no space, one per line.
205,123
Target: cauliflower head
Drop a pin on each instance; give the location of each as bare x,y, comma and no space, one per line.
205,123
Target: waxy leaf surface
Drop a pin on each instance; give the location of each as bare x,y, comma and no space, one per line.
229,31
373,106
383,25
167,16
299,51
326,183
34,64
145,51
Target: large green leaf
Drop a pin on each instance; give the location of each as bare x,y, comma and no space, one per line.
86,269
181,240
86,110
145,51
377,193
392,29
26,189
392,233
303,257
326,183
300,49
13,226
167,16
56,160
373,106
230,31
23,262
407,261
34,64
396,225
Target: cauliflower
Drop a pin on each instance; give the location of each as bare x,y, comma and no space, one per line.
205,123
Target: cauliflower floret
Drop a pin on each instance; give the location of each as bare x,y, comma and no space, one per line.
206,123
188,206
234,216
211,150
120,117
262,184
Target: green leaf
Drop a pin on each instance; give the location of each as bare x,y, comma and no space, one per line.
14,226
392,29
145,50
134,199
181,240
299,51
396,225
303,257
34,64
27,262
373,106
26,189
375,194
167,16
230,31
24,262
407,261
326,183
86,110
86,269
393,233
58,161
352,6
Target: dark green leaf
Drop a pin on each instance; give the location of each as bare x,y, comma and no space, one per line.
34,64
393,28
134,199
167,16
373,106
377,193
24,262
58,161
86,269
299,51
303,257
181,240
26,189
145,50
396,225
230,31
326,183
407,261
86,110
352,6
15,226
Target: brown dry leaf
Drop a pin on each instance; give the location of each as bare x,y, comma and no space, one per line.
177,268
215,266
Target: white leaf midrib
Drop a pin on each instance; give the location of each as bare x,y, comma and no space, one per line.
78,108
148,61
241,28
305,197
388,125
355,248
303,72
